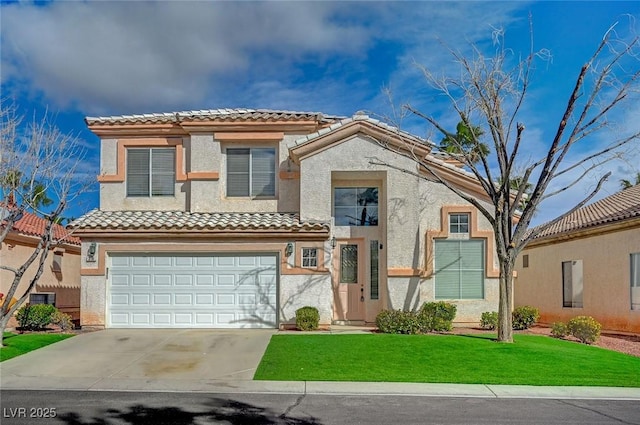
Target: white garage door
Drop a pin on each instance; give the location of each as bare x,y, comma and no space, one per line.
192,291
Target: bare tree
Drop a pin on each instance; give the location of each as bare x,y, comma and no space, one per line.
37,161
490,91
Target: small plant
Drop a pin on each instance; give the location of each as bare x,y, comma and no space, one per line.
397,322
559,330
524,317
307,318
436,316
35,317
585,328
489,320
62,320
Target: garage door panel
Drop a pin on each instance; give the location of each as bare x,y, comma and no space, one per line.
162,280
141,280
182,291
204,280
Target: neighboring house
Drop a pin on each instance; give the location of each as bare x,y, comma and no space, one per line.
59,283
587,264
238,217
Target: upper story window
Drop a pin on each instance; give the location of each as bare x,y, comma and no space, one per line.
356,206
251,172
151,171
458,223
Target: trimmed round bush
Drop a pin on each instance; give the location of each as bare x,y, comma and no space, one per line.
559,330
35,317
585,328
437,316
489,320
397,322
524,317
307,318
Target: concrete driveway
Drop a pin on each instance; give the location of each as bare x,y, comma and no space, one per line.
123,358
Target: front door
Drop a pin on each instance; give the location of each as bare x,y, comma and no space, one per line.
349,282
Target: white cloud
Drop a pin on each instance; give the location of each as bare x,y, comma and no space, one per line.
137,55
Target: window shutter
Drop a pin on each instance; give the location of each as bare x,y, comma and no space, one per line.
138,172
263,172
237,172
163,172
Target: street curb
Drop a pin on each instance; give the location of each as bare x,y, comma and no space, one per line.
320,388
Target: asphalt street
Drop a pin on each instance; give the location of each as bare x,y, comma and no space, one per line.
105,408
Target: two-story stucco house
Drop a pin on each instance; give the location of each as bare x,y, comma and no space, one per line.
238,217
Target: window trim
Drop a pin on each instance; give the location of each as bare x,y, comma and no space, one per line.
251,173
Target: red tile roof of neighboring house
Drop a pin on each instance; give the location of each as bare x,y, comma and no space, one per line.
31,224
620,206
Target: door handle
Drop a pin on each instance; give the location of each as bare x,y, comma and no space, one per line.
362,295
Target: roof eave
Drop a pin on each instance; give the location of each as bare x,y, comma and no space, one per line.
583,232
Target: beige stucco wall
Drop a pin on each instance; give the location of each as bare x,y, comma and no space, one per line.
409,207
65,285
305,290
606,286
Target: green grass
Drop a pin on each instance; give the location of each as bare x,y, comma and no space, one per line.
464,359
16,345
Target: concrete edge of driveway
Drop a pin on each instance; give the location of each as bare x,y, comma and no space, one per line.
320,388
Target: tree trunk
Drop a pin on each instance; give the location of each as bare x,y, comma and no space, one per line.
3,325
505,307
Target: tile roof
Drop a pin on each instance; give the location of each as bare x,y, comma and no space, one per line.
359,117
228,114
32,225
182,220
620,206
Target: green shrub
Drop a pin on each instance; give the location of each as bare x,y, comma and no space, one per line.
585,328
559,330
436,316
307,318
524,317
62,320
489,320
397,322
35,317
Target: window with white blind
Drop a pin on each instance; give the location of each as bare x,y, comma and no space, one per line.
459,269
151,171
251,172
635,281
572,281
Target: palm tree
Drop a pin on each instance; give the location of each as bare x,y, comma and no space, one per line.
37,192
465,142
626,184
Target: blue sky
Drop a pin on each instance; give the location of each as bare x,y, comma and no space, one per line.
78,59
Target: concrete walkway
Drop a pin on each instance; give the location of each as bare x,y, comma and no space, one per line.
219,361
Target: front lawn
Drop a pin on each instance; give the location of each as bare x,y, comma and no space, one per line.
463,359
15,345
